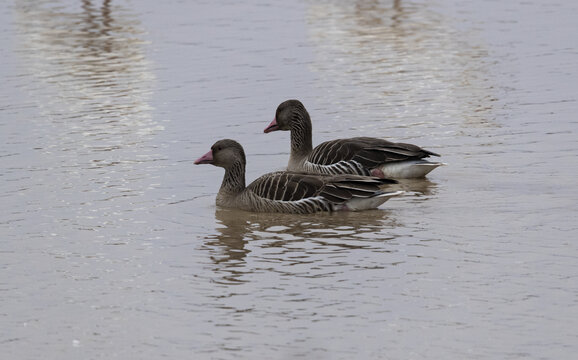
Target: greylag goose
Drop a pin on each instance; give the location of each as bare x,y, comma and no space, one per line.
358,155
290,192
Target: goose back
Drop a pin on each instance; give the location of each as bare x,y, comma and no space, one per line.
306,193
370,152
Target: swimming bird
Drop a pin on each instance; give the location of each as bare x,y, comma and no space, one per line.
357,155
291,192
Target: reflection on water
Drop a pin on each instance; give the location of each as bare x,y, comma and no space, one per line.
92,77
399,61
477,261
419,186
233,226
311,236
85,71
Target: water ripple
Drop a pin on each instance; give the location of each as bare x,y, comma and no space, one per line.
91,126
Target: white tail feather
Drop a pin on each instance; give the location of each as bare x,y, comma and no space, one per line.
357,204
411,169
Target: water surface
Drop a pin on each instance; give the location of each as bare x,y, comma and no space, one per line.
112,244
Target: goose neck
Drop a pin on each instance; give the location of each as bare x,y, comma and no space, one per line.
301,138
234,179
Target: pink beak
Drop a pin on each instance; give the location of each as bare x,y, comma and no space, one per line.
272,127
205,159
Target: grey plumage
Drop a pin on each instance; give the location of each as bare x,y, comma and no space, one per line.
370,152
288,192
358,155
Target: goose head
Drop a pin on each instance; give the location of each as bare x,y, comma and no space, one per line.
289,115
224,153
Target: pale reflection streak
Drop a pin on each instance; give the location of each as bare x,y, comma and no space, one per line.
91,74
87,73
401,60
418,186
287,234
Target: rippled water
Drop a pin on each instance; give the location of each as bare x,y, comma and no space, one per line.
112,246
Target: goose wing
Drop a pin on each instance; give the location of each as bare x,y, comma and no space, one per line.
292,186
366,150
286,186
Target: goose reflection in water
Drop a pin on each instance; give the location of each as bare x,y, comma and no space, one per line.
420,187
287,234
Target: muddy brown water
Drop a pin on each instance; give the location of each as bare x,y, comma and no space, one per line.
112,246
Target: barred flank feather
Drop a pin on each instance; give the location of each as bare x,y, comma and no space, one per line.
341,167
